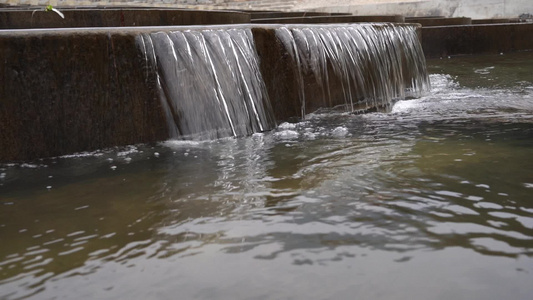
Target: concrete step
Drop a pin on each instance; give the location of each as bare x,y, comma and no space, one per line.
192,4
258,4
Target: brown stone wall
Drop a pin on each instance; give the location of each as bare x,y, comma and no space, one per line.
74,91
24,19
440,21
330,19
476,39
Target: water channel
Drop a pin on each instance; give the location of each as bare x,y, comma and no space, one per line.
430,201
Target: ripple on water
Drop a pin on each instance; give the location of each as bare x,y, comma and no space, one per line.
449,173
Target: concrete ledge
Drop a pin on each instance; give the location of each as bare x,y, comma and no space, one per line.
476,39
425,22
331,19
25,19
271,15
496,21
69,91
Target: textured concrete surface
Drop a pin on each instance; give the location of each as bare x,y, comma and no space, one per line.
476,39
475,9
440,21
69,91
331,19
22,19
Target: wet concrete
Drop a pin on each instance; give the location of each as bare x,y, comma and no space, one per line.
277,14
69,91
331,19
25,19
434,21
476,39
496,21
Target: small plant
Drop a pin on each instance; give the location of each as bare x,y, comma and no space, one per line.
50,8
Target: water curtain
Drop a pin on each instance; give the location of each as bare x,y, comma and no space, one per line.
375,64
211,86
209,82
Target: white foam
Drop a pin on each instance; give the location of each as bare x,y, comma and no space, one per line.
286,125
339,131
32,166
404,106
83,154
442,82
483,71
287,134
183,143
131,150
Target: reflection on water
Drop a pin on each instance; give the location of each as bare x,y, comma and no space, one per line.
488,71
435,195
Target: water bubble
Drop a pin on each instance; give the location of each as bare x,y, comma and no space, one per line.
340,131
286,125
287,134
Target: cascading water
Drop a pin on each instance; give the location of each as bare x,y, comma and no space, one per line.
211,86
374,63
209,82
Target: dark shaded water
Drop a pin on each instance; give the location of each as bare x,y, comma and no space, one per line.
431,201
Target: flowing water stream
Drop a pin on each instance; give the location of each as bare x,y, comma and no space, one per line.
431,201
209,82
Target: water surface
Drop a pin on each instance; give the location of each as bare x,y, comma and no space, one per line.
430,201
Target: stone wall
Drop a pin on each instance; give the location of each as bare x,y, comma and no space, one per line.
444,41
475,9
71,90
117,17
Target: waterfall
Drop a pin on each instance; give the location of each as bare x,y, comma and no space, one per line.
209,82
374,64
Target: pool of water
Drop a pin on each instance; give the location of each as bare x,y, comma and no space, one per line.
431,201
